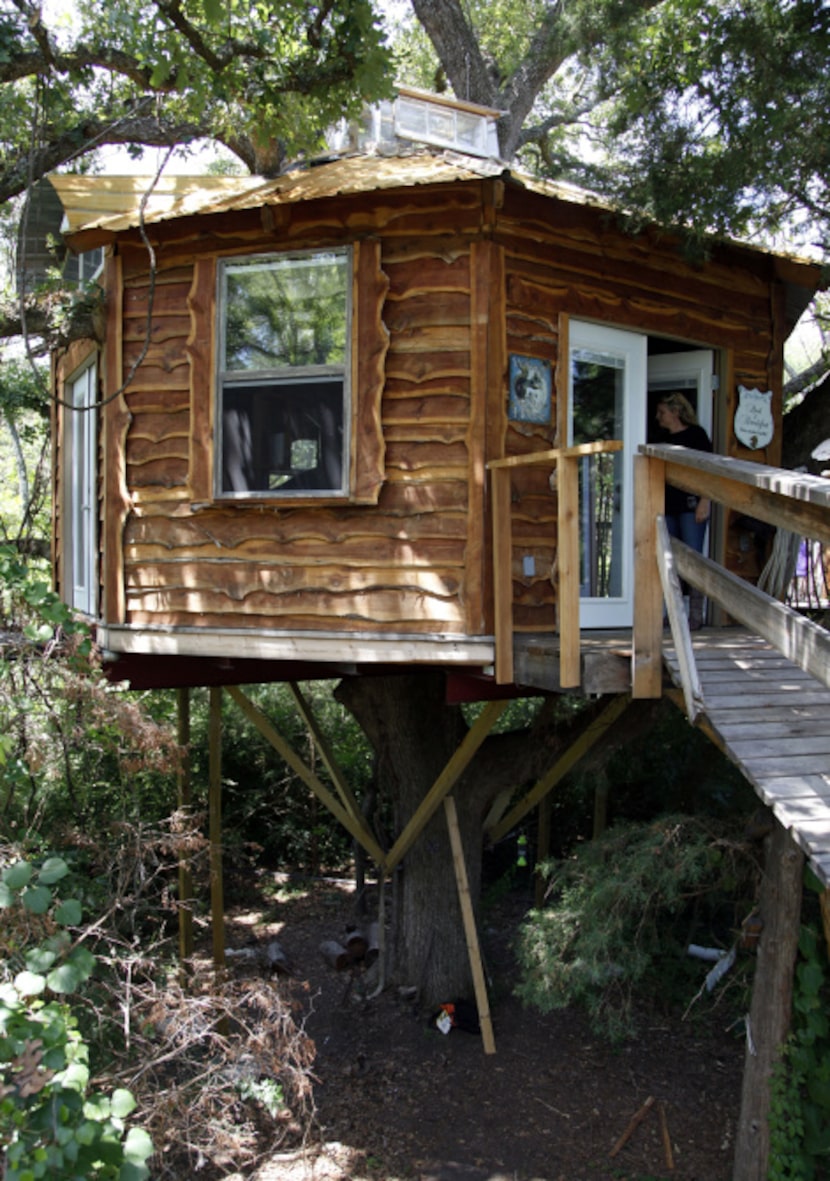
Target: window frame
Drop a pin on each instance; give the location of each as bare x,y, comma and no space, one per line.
287,376
80,480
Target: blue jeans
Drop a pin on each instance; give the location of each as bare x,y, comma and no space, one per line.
687,529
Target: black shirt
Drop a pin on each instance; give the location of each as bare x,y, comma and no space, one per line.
678,501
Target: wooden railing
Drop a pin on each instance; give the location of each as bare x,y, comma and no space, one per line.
566,461
785,499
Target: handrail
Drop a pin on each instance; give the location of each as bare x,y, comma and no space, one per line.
785,499
567,553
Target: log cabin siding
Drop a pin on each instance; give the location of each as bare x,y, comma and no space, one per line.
450,280
399,565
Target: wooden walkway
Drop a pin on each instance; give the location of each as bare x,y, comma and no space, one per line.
773,722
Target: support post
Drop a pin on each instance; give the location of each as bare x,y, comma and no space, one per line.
446,781
567,541
542,849
769,1019
217,901
502,575
470,931
592,733
184,802
647,635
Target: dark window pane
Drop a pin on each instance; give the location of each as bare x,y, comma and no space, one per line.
283,436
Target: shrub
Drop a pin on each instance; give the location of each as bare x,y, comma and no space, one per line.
51,1124
620,913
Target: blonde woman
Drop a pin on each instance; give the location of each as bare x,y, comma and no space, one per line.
686,514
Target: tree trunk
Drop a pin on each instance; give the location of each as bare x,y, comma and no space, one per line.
414,734
780,905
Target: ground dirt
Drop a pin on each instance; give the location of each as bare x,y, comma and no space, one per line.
396,1100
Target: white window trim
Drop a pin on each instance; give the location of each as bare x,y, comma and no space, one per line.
80,464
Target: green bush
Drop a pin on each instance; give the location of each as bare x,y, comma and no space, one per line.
51,1124
799,1118
621,912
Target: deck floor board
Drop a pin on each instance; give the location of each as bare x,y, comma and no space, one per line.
773,720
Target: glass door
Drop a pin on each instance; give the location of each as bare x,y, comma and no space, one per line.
607,400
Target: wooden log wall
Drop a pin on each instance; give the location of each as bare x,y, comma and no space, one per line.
464,276
400,565
579,265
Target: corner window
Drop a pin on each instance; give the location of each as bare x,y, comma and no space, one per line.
284,367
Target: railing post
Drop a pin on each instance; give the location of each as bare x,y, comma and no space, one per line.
567,541
502,575
647,632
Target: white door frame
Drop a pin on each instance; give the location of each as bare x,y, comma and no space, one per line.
627,351
80,467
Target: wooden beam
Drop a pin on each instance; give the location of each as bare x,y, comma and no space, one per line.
702,723
355,825
567,553
217,902
588,738
446,781
567,561
789,500
769,1015
341,785
470,931
185,900
798,638
554,454
502,576
673,593
647,634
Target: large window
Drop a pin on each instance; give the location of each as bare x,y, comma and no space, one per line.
284,368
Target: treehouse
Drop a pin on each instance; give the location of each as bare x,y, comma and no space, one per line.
395,409
327,420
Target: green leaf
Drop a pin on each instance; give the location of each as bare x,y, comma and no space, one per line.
37,899
29,983
123,1103
98,1107
83,961
7,896
18,875
40,959
132,1172
76,1078
52,870
69,913
137,1146
65,978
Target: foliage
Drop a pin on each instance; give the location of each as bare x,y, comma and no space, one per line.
253,76
51,1124
76,747
266,808
708,115
799,1119
620,913
24,451
719,120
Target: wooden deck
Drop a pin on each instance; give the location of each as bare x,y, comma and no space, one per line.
773,721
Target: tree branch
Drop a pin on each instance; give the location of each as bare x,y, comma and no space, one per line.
136,127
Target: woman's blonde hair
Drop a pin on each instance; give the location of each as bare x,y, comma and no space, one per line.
681,405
